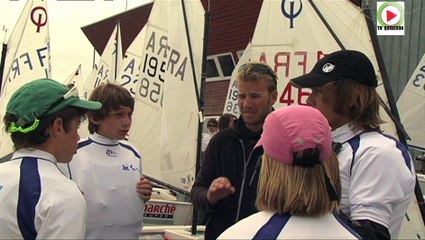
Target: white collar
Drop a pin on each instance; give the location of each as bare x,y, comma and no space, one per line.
103,140
345,133
33,152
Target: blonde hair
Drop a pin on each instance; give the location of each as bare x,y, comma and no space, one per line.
297,190
248,72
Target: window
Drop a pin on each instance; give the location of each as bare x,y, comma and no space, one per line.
220,67
211,69
226,64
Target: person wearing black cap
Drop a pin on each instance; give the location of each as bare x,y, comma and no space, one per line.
377,173
37,201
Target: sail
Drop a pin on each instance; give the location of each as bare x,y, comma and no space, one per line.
166,110
231,105
130,66
291,36
107,68
411,105
76,79
27,57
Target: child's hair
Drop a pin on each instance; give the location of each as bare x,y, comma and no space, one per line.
112,97
40,135
358,101
224,121
285,188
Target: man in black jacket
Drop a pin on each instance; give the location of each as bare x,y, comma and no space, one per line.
226,186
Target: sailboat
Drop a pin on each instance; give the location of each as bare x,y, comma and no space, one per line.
130,66
412,107
27,58
76,79
162,70
291,36
108,65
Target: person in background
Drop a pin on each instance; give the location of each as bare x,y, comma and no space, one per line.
226,185
226,120
36,200
299,186
109,170
212,129
377,173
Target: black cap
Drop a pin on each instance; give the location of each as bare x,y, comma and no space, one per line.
340,65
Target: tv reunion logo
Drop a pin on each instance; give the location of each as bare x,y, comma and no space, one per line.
390,18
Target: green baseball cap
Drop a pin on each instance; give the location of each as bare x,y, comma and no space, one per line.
41,98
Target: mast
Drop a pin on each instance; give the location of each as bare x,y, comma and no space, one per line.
118,55
2,62
201,103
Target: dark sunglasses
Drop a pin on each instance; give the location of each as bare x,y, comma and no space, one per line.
258,68
212,125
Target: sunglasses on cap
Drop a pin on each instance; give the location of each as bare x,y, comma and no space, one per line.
73,92
258,68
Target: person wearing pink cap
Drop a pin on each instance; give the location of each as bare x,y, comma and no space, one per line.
377,172
299,185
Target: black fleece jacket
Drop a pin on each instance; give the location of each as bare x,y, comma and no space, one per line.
230,153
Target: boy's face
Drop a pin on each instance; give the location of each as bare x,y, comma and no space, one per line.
316,100
117,124
67,141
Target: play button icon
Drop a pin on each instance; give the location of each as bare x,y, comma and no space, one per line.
390,15
390,18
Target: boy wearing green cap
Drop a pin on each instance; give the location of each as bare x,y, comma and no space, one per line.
36,199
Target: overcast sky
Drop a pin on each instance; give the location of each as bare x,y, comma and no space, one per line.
69,46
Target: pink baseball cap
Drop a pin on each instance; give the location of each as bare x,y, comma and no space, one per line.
295,128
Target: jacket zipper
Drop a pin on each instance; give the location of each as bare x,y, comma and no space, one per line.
245,168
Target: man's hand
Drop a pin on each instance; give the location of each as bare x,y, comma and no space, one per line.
144,188
219,189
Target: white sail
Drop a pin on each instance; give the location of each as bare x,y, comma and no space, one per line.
291,37
166,109
411,106
76,79
130,66
27,57
107,68
231,105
